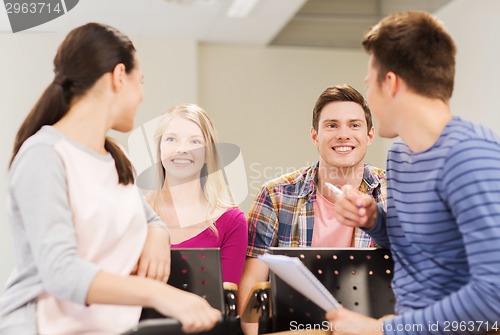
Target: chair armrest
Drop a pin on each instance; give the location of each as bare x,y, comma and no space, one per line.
230,300
258,303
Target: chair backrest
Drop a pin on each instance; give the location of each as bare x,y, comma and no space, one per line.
197,271
360,279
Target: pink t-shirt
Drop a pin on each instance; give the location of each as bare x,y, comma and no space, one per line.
232,240
327,231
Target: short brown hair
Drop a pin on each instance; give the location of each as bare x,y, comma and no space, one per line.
417,48
340,93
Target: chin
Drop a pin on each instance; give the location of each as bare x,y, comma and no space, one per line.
387,133
123,128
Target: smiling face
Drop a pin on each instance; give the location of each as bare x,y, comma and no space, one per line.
342,137
182,150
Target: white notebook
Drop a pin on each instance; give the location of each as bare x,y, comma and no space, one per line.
293,272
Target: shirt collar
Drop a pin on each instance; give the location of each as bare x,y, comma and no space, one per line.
369,183
310,180
370,179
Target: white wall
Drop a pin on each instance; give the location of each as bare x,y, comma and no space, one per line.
23,79
170,76
475,25
170,70
260,98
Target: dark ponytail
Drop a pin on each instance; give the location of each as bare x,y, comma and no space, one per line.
122,163
53,100
86,54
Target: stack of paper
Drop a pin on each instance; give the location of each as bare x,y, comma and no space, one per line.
293,272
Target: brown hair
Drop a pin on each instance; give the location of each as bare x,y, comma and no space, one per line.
417,48
340,93
87,53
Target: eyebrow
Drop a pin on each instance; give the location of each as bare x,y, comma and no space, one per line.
175,134
351,120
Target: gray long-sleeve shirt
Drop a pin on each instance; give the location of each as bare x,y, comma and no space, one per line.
42,222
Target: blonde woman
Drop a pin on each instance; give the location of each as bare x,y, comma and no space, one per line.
193,198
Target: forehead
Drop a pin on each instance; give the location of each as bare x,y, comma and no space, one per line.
342,111
181,125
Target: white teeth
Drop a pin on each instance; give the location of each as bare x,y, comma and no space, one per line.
343,149
181,161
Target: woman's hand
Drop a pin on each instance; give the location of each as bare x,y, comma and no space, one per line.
154,262
192,311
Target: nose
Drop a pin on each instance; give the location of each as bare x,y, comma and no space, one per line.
181,148
343,134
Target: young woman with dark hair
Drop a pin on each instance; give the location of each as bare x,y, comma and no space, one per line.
81,229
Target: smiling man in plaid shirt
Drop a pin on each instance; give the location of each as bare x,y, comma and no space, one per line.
297,209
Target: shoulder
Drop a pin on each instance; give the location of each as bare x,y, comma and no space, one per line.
232,215
463,133
38,153
292,181
37,169
467,140
472,155
464,129
233,219
470,152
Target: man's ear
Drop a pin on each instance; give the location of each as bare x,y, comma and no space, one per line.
391,83
118,75
371,135
314,136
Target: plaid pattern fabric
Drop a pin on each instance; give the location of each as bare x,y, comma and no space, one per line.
282,214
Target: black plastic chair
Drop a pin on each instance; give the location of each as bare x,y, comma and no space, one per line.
197,271
259,307
360,279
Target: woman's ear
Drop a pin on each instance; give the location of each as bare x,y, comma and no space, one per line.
118,74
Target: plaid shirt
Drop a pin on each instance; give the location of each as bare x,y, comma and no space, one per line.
282,214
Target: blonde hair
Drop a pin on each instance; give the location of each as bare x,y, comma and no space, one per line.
214,185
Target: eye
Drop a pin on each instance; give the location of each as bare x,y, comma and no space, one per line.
196,141
355,125
170,139
331,125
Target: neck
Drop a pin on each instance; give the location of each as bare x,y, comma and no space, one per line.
185,205
184,194
339,176
423,123
86,123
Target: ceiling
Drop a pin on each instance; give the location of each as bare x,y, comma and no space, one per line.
316,23
342,23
